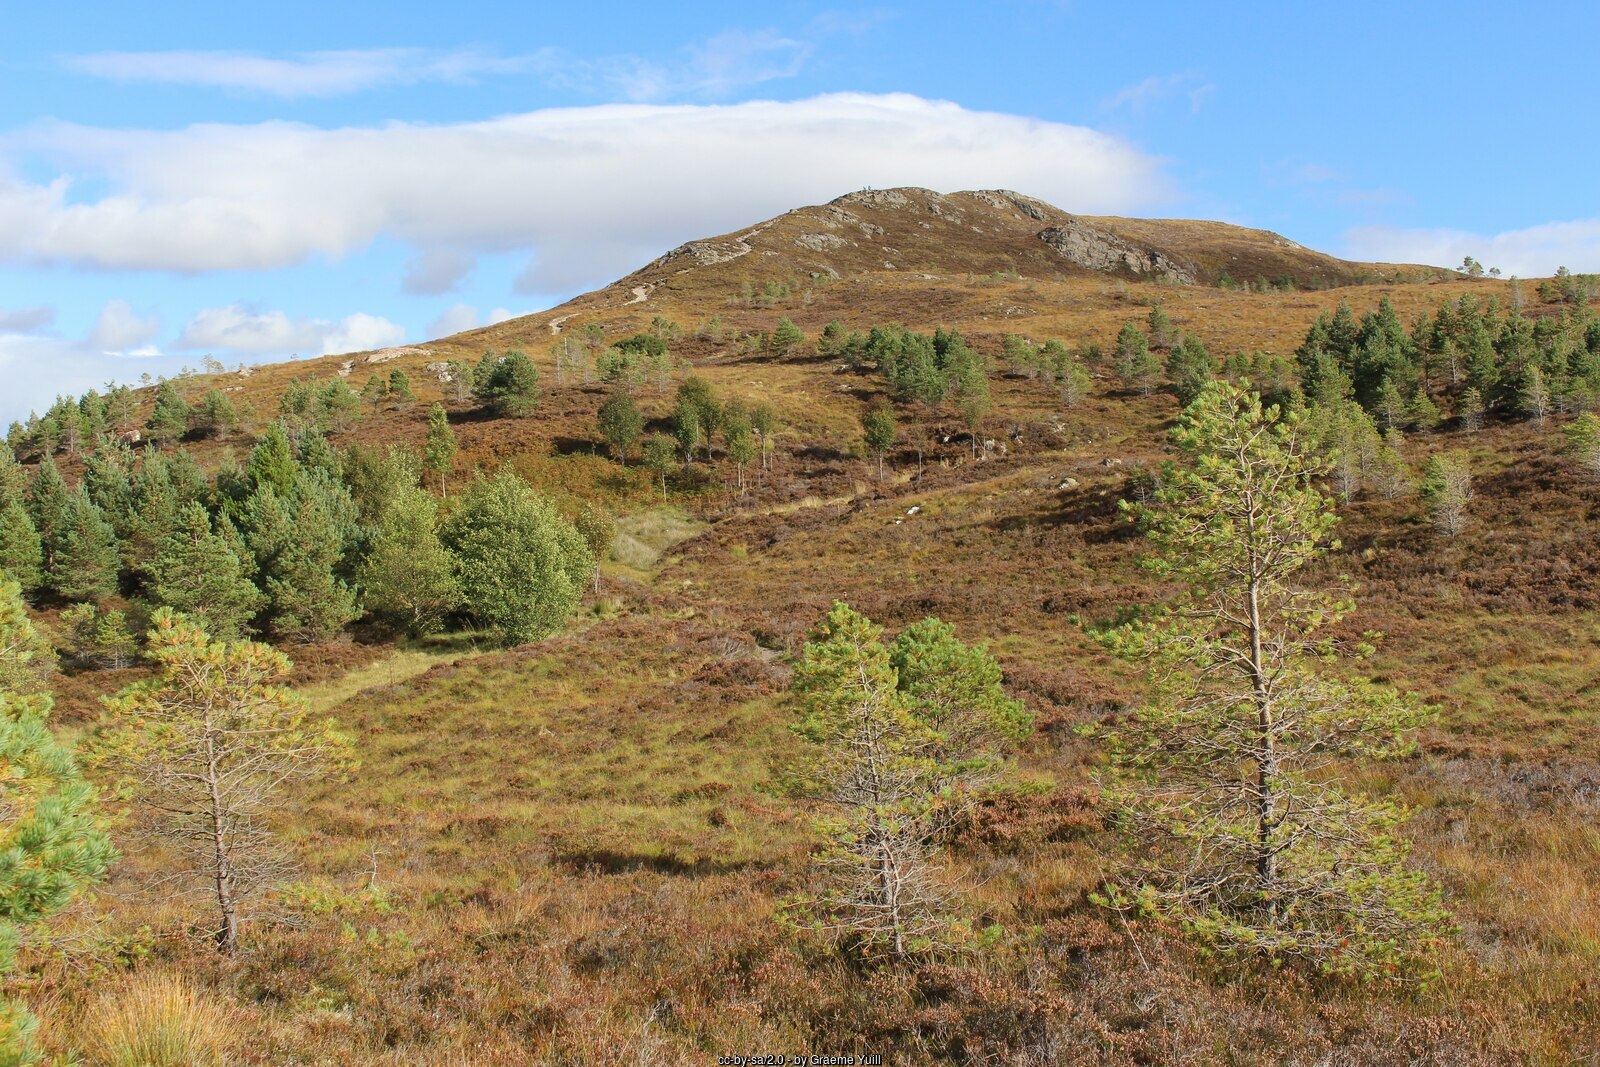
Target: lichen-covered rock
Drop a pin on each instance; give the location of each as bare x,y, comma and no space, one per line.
1098,250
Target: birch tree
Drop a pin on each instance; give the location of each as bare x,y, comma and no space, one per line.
1229,779
206,750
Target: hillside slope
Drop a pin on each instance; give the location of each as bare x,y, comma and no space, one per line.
572,851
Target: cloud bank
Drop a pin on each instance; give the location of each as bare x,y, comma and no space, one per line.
306,74
592,192
1533,252
240,330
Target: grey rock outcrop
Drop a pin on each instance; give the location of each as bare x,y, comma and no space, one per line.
1098,250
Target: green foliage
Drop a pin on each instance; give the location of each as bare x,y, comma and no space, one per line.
521,566
1189,368
309,600
375,391
48,502
400,386
215,415
21,552
170,418
199,574
1226,779
786,337
207,746
336,407
1446,491
620,424
511,384
660,456
99,639
52,847
1583,441
439,450
1423,414
1136,366
740,438
407,576
1159,328
272,462
903,735
26,659
879,430
84,558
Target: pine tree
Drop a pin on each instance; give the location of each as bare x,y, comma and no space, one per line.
513,385
620,424
1222,779
309,600
170,418
85,562
21,552
199,574
100,639
208,746
408,577
1188,369
48,502
522,567
337,407
272,462
1447,492
786,337
1423,413
1583,441
375,392
439,451
215,416
1136,365
904,737
52,847
1469,409
878,428
400,387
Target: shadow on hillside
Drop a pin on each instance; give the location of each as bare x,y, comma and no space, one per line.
568,446
611,862
1093,513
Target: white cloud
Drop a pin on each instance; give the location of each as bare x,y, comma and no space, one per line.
499,315
26,320
1533,252
720,64
1141,96
119,328
240,330
593,191
36,367
317,74
454,319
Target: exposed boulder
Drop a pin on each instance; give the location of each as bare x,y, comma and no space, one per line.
1098,250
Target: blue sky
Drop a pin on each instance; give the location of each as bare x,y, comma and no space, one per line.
292,179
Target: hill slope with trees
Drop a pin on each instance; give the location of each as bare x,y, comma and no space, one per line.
984,658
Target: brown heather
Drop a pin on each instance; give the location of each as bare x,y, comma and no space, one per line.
570,853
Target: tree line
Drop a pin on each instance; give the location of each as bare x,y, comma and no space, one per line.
296,543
